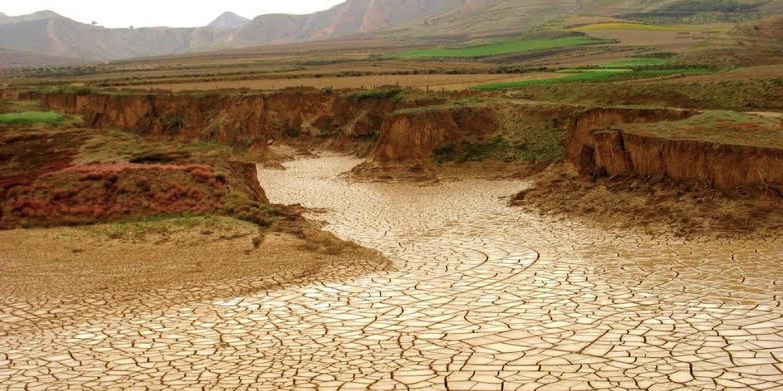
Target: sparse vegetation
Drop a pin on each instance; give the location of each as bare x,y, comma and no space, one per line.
636,62
20,106
378,93
742,95
597,75
136,229
544,146
722,127
499,48
646,27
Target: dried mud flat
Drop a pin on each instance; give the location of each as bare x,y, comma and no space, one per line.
480,296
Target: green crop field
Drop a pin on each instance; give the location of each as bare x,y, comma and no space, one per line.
498,48
31,117
595,75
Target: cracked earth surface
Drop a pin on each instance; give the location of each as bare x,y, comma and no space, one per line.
480,297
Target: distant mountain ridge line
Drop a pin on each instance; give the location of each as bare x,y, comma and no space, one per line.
50,34
45,34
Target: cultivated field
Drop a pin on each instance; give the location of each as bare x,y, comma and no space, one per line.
423,82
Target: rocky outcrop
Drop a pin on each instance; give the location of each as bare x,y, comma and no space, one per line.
722,166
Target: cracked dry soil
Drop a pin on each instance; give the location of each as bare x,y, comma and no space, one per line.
481,296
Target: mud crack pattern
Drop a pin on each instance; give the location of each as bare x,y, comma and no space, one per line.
481,297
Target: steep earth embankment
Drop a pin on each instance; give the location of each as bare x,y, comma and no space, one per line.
395,131
722,166
580,144
389,126
610,142
234,119
414,135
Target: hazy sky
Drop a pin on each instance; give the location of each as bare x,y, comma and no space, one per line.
175,13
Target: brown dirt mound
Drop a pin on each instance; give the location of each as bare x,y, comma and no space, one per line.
653,206
54,175
107,192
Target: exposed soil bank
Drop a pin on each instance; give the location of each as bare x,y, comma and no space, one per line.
53,175
234,119
659,208
601,142
580,145
398,132
415,135
393,128
721,166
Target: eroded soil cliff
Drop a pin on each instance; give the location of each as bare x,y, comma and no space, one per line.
392,129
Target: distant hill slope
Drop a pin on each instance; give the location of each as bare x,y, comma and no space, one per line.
487,17
477,17
703,11
46,33
50,34
15,58
228,21
350,17
53,36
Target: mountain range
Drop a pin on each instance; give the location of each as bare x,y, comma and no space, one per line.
46,38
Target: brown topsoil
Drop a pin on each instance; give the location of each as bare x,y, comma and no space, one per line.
129,268
62,175
656,207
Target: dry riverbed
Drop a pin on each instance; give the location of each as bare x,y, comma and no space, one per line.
480,295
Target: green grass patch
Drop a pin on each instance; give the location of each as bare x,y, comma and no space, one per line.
498,48
31,117
594,76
